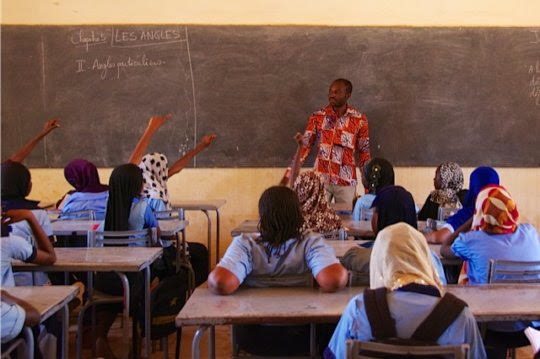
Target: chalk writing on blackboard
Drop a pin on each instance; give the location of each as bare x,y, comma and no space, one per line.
117,65
536,37
534,71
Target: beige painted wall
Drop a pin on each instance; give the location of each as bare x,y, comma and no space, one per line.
242,187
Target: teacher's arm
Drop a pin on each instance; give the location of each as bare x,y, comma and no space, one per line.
362,143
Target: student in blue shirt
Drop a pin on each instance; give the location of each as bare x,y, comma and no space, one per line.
88,193
376,174
393,204
156,173
401,262
495,234
15,313
280,256
460,221
125,211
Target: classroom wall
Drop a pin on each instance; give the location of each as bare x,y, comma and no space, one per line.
242,187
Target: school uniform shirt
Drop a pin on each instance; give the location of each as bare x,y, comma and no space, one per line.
13,247
408,309
80,201
158,205
141,216
478,247
248,260
12,318
364,202
23,229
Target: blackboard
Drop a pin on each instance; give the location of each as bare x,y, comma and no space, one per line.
471,95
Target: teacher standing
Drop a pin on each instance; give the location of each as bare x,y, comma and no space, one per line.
342,134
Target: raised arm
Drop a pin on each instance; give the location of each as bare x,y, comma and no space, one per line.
25,150
183,162
295,168
308,140
153,125
45,254
32,317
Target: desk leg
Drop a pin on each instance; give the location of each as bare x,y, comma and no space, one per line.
312,341
65,332
209,239
147,324
195,345
90,289
212,343
125,313
217,236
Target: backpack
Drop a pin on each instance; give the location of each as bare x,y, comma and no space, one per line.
383,326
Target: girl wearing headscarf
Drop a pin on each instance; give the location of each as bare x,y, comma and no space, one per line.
495,234
393,204
156,172
460,221
448,193
88,193
401,262
318,215
377,174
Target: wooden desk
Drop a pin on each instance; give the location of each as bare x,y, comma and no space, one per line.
342,208
103,259
48,300
205,206
494,302
168,227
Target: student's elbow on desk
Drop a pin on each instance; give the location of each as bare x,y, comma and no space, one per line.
332,278
222,281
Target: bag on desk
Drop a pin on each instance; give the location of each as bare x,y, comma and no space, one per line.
167,299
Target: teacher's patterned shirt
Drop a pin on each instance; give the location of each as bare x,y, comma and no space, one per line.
338,139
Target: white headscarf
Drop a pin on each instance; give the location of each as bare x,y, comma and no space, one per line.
401,256
155,170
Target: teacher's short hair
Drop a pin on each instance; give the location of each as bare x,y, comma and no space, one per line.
346,83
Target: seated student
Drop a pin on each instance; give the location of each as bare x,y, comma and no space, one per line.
460,221
376,174
16,185
448,193
318,215
277,257
156,173
15,314
125,211
393,204
495,234
89,193
401,262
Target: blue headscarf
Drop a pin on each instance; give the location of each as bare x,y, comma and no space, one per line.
480,178
394,204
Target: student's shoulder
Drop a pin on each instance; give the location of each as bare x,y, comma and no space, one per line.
528,229
13,244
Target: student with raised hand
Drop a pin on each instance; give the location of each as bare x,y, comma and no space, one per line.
401,263
377,174
88,193
448,192
280,249
462,219
318,215
27,148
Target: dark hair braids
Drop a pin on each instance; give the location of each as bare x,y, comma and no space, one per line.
280,217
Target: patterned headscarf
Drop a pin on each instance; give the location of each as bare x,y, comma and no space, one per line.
401,256
155,171
495,211
317,213
450,178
